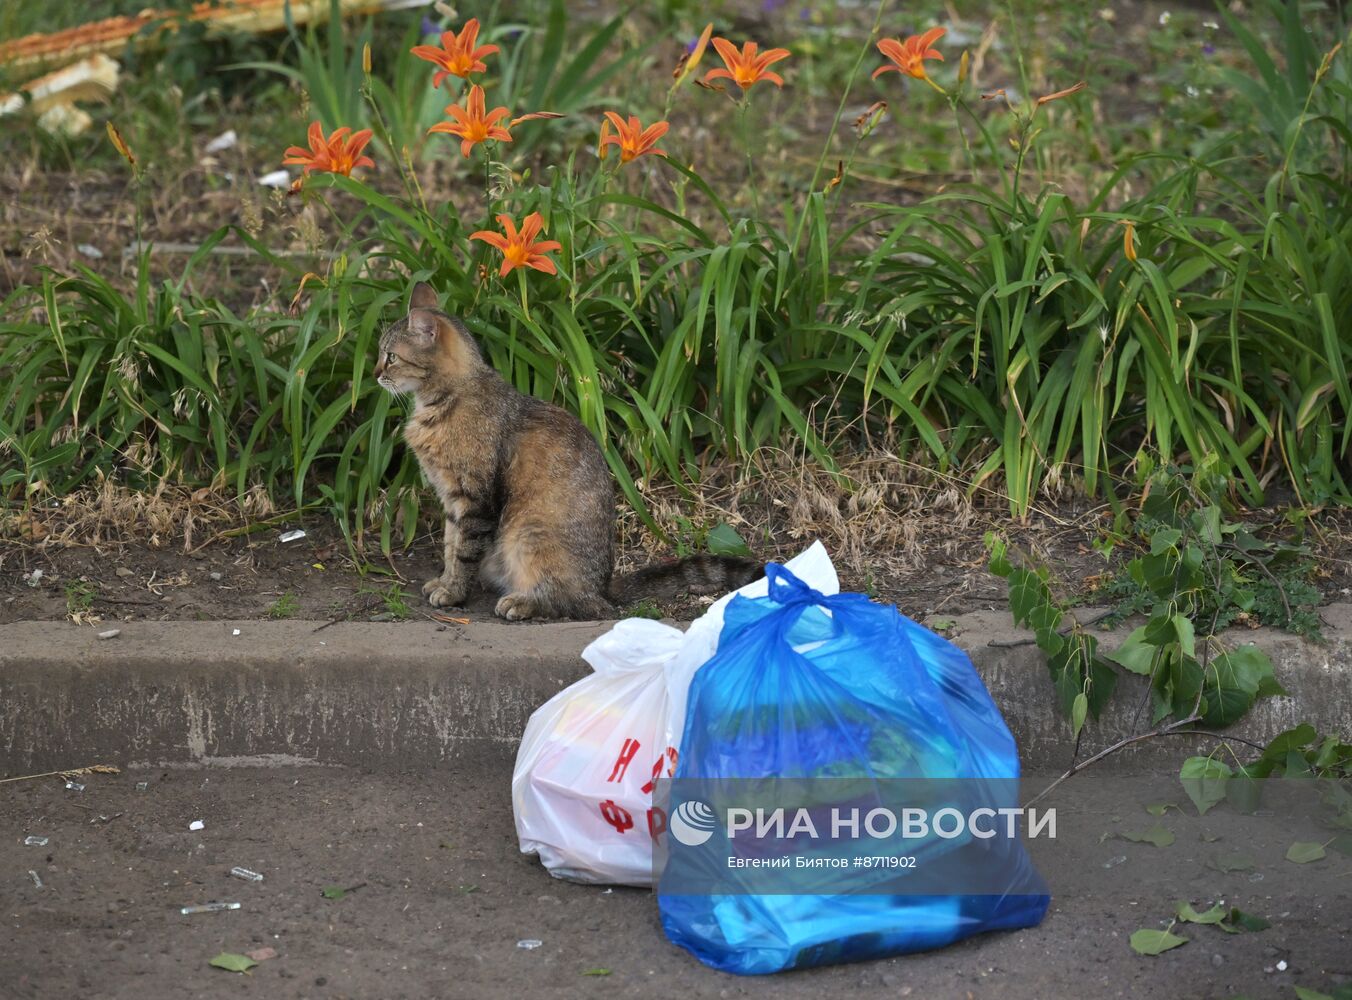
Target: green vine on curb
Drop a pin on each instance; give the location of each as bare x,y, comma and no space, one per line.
1194,578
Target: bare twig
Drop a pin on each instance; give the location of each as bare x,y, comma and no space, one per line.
89,769
1075,625
1075,769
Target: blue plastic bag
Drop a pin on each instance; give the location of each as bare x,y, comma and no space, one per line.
806,686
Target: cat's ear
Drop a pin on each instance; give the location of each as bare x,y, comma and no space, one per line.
423,297
423,324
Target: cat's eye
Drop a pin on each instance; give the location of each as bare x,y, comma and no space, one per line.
389,357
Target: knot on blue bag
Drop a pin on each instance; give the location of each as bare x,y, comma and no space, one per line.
788,590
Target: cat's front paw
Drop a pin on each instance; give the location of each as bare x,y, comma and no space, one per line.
516,607
442,593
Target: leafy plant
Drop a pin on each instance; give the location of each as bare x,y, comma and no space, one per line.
646,608
1084,679
1189,581
1008,327
1257,581
396,603
1298,753
285,606
79,598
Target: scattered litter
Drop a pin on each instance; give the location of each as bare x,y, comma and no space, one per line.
216,576
74,786
276,179
226,140
89,250
529,944
1114,862
1281,966
262,954
37,881
234,631
35,841
111,633
105,819
208,908
33,578
607,892
294,535
142,786
246,874
197,824
124,572
438,616
52,97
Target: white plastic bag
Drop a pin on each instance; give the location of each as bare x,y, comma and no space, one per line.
583,782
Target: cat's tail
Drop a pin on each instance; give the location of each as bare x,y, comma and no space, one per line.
701,574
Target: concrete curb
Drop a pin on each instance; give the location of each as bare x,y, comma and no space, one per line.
408,694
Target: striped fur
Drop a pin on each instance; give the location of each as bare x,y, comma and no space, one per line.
528,497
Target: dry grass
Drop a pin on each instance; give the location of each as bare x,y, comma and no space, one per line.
109,515
883,518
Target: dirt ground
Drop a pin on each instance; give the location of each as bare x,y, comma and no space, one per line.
915,546
315,578
444,896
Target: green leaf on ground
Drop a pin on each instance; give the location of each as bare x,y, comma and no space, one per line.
1204,779
231,962
1303,852
1150,941
1303,993
1227,863
1160,808
596,972
723,540
1212,916
1158,835
1237,921
333,892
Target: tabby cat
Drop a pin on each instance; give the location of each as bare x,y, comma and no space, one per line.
528,497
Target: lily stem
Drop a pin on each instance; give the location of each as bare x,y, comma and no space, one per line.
745,106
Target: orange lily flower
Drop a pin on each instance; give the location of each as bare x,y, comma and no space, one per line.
520,249
457,55
746,67
472,123
632,138
909,56
689,60
1062,93
340,153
